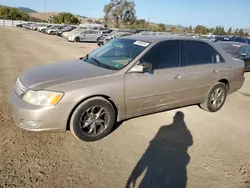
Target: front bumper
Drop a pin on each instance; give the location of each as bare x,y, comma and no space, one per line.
48,118
71,39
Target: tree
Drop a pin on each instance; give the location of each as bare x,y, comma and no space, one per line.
229,32
190,30
211,30
201,29
13,14
161,28
219,30
65,18
236,32
173,29
241,33
120,12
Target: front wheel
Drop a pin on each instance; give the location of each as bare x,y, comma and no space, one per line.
216,98
77,39
93,119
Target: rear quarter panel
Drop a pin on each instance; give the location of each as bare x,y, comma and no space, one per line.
232,70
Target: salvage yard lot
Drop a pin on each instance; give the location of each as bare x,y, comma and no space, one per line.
213,149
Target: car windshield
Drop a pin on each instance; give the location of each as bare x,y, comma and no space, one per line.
231,48
116,54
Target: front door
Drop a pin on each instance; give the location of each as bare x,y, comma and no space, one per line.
152,91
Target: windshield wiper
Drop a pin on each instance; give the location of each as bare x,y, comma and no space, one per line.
99,64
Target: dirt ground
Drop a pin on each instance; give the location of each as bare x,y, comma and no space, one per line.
198,150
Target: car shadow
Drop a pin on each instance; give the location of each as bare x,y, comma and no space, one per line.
165,161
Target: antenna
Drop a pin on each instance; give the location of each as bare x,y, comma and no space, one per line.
44,5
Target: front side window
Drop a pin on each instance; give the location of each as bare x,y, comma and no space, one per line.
163,55
198,53
116,54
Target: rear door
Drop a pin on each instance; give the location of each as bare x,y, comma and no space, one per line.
200,70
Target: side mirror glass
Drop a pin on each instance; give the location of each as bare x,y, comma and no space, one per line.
142,67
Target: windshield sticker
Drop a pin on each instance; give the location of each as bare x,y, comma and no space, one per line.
141,43
236,45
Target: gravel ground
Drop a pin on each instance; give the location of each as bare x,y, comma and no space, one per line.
199,150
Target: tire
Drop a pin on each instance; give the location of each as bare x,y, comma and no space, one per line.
208,104
77,39
86,114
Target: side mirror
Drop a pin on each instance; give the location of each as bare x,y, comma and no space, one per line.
137,69
142,67
146,66
243,54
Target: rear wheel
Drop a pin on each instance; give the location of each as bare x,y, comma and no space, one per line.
93,119
216,98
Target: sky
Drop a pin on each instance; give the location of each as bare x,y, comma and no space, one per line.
228,13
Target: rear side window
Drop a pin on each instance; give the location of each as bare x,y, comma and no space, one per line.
163,55
86,32
198,53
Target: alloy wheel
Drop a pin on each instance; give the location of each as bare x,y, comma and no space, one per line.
94,120
217,98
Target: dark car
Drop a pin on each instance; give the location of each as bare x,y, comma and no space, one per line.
238,50
232,39
19,25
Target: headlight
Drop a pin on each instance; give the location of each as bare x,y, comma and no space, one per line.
42,97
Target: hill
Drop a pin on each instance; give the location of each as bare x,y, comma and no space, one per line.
43,15
26,9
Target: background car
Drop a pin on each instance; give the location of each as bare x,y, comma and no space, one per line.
52,30
88,35
44,28
232,39
73,32
114,34
65,29
238,50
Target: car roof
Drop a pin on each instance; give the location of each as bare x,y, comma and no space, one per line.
159,38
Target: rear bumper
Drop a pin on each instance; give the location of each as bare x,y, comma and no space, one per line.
236,85
39,118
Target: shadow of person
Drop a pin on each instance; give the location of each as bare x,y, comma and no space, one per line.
165,160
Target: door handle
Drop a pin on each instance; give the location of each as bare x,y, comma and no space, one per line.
177,77
215,71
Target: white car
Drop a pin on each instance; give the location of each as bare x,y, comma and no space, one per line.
70,33
88,35
40,28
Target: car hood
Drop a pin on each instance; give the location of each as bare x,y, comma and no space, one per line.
47,76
